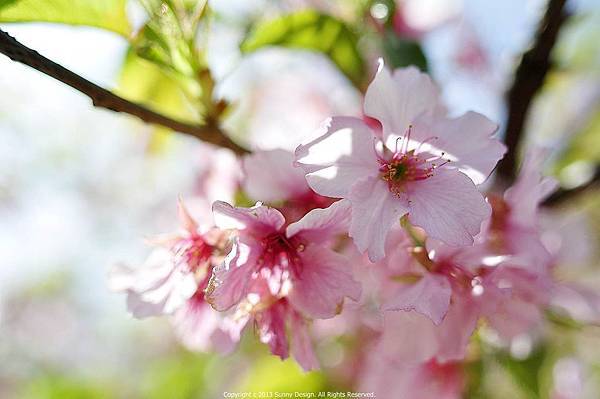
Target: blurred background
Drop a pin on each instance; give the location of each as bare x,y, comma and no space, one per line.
81,187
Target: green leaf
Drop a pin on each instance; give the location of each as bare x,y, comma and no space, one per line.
312,31
144,82
403,52
105,14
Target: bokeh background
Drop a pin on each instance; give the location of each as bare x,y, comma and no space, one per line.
81,187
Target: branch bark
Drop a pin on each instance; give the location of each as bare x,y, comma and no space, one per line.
529,78
102,98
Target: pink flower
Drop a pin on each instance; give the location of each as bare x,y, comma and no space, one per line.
423,164
200,328
172,282
505,278
270,177
218,175
392,379
272,324
513,228
445,291
277,275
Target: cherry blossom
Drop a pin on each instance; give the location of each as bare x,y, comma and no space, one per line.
172,282
443,293
270,177
423,164
514,227
392,379
276,275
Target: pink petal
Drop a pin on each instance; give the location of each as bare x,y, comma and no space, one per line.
195,323
325,279
321,224
120,278
519,309
448,207
530,189
396,100
514,317
218,171
270,176
141,309
271,329
398,258
158,287
430,296
408,337
467,141
342,153
225,339
302,348
155,271
580,303
454,333
374,211
429,380
186,219
527,250
260,219
231,280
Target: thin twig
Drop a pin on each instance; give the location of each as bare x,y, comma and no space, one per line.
210,132
562,196
529,78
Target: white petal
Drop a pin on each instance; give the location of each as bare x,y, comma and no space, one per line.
374,210
448,207
342,153
397,100
321,224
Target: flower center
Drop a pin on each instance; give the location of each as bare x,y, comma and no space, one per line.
193,252
406,165
404,168
281,255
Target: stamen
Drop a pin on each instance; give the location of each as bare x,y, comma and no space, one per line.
407,138
407,166
426,141
380,157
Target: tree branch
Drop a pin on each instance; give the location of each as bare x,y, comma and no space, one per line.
210,133
529,78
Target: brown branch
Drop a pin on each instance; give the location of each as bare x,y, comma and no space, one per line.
529,78
561,196
210,133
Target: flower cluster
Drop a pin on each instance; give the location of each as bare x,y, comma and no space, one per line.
394,195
